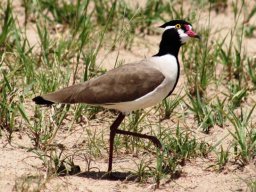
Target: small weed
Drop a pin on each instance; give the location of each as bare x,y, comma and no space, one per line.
251,64
219,112
61,11
237,95
169,105
143,171
56,161
8,108
180,147
202,111
95,143
7,27
244,136
222,158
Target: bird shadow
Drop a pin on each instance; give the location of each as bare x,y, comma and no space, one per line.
113,176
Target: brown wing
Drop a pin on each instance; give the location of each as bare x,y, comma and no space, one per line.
125,83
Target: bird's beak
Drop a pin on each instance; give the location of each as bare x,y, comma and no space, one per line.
193,34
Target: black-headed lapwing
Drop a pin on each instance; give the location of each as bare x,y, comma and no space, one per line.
132,86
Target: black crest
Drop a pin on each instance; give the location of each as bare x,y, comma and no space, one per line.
174,22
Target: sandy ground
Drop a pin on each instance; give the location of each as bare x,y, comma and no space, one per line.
19,167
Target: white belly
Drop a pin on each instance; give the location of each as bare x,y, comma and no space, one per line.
166,64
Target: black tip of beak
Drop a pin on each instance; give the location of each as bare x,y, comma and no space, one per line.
198,37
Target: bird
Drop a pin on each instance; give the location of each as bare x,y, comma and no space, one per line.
132,86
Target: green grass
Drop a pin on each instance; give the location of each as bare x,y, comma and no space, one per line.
252,185
71,35
244,136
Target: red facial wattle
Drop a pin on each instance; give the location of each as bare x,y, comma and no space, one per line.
191,33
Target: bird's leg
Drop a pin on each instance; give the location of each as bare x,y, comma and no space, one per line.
113,129
153,139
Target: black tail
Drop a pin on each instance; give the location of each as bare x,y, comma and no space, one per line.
41,101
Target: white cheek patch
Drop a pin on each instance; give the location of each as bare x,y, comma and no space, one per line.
169,27
183,36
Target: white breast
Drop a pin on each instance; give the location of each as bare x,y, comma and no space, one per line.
167,65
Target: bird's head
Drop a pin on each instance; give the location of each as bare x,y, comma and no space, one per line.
182,28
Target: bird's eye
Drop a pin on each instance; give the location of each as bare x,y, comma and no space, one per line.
178,26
